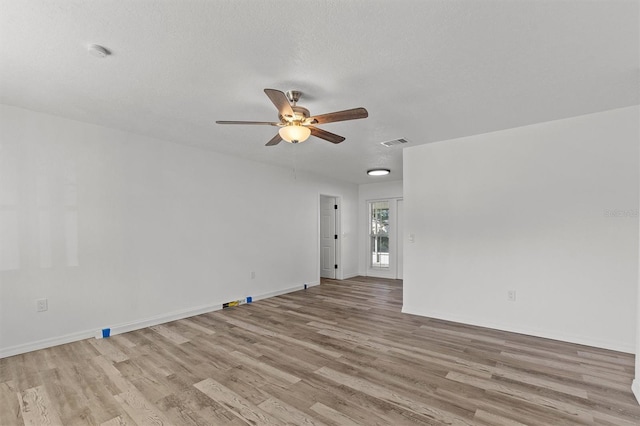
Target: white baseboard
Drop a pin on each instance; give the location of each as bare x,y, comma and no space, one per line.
285,291
158,319
635,387
381,274
134,325
173,316
45,343
546,334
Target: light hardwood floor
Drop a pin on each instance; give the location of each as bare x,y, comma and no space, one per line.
337,354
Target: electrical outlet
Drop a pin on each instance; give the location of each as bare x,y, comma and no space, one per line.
511,295
42,305
253,275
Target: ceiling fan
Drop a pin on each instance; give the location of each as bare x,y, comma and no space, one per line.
296,124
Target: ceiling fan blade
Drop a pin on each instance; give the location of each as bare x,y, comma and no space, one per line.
281,102
257,123
275,140
332,117
327,136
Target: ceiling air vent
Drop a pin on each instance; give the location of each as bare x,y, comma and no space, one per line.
394,142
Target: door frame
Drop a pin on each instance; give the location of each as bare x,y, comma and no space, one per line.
394,240
340,269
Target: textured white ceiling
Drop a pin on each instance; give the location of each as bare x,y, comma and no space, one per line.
425,70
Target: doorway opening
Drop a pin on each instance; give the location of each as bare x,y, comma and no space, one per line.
385,246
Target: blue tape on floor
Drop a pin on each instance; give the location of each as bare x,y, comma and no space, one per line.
249,299
106,332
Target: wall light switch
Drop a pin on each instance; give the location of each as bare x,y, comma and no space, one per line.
412,238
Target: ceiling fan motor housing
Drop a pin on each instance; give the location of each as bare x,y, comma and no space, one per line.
293,95
300,114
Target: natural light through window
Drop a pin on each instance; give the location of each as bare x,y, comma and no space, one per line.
379,234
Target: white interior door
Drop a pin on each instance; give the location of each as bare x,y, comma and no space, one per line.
327,237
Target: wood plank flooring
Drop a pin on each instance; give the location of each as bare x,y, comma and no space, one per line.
337,354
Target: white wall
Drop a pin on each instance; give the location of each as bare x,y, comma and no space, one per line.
636,382
529,209
367,192
119,229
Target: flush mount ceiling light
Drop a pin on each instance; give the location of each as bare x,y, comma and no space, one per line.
98,51
378,172
294,133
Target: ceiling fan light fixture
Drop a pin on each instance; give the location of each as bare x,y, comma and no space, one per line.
294,133
378,172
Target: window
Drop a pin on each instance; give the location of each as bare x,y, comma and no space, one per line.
379,234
